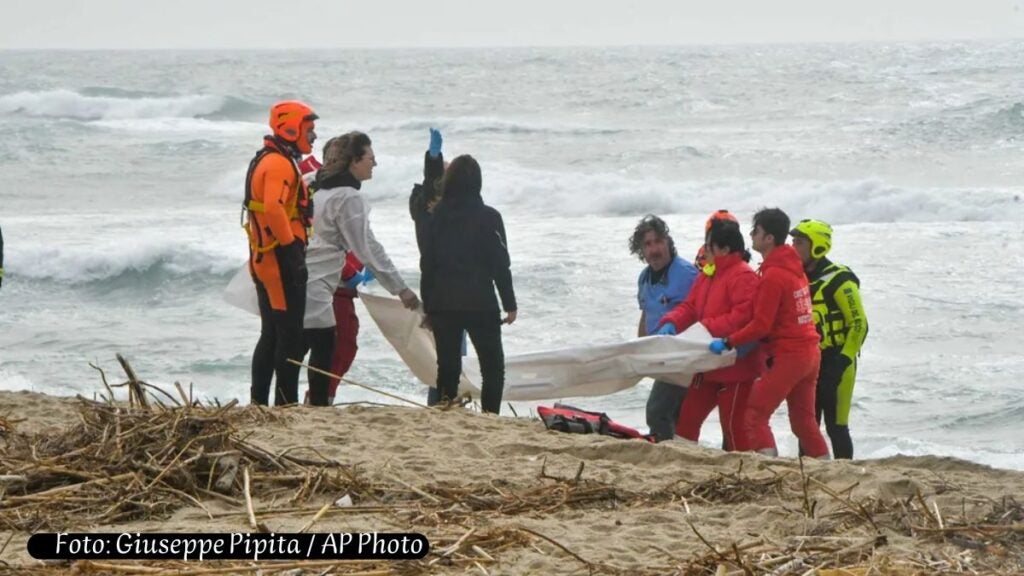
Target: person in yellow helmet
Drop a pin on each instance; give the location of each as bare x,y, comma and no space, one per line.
842,327
276,215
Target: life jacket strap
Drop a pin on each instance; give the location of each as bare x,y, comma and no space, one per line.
250,206
261,208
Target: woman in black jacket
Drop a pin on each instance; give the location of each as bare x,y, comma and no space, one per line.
463,258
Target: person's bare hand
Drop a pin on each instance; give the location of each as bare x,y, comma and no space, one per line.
409,299
510,317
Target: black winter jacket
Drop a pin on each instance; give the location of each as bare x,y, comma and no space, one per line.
419,200
463,258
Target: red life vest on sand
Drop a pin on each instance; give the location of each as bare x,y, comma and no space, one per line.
565,418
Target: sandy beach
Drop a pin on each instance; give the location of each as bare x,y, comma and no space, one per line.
494,495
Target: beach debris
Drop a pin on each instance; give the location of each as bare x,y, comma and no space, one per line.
157,453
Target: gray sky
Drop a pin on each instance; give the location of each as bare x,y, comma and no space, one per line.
89,24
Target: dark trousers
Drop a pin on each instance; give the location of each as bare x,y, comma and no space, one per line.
484,330
433,396
280,339
319,342
663,407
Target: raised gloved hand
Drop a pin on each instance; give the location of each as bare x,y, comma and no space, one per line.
719,345
435,143
666,329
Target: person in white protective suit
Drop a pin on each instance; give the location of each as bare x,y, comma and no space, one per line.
341,223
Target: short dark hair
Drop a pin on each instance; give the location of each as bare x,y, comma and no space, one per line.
775,222
650,223
727,234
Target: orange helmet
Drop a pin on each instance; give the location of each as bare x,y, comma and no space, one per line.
292,121
701,260
719,215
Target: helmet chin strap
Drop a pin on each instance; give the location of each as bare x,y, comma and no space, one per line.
290,147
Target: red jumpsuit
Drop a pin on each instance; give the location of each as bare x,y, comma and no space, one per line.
346,324
783,314
723,302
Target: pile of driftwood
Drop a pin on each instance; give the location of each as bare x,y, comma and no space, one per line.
125,462
157,452
844,536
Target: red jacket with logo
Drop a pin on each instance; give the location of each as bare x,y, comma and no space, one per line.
782,307
723,303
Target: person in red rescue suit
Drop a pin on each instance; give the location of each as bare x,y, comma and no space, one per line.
782,315
346,327
276,214
722,301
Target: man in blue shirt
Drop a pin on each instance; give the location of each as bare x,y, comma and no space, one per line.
665,282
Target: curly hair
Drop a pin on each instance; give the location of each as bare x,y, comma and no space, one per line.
650,223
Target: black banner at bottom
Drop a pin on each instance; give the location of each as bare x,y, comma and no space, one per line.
228,546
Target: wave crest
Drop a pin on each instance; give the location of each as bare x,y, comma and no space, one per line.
152,260
113,104
841,202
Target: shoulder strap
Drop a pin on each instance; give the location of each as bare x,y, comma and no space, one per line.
303,203
836,277
262,153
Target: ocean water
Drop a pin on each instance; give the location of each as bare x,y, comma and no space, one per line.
123,172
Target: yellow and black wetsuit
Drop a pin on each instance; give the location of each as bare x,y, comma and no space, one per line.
842,326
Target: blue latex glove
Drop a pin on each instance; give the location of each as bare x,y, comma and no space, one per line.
359,278
435,143
354,281
666,329
717,346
